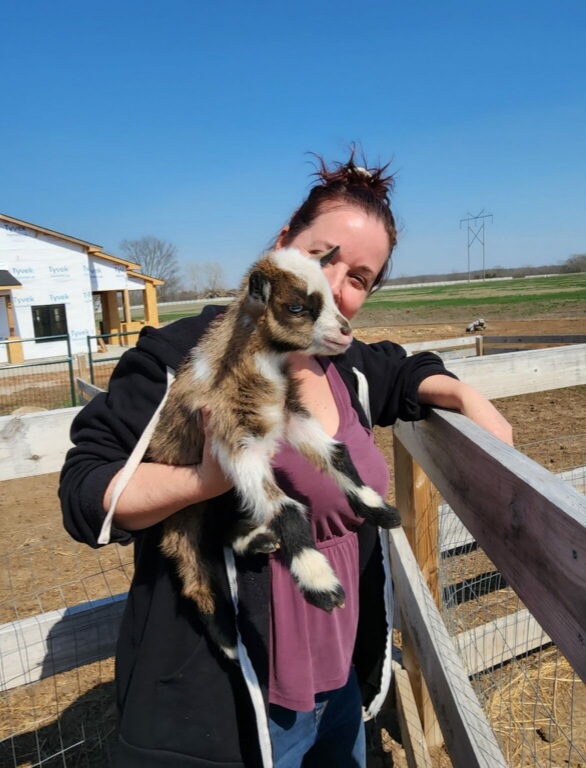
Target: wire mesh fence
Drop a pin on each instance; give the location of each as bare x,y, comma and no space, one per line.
37,384
49,383
102,362
54,710
534,700
102,371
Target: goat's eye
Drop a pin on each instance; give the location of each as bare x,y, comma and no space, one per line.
296,309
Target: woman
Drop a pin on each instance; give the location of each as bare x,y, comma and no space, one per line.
296,697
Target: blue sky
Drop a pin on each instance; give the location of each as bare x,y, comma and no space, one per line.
190,120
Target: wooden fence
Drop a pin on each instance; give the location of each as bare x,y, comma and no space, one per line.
475,346
531,524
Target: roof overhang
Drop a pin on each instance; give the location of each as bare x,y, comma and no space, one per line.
49,232
91,248
99,254
8,281
146,278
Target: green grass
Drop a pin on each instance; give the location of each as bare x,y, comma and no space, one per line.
560,288
462,301
518,285
168,317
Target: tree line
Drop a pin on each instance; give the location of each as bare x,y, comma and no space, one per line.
158,258
206,280
575,263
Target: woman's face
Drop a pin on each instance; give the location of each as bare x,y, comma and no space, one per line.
364,248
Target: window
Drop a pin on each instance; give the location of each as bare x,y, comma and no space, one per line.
49,320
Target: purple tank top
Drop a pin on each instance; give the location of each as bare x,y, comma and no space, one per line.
310,650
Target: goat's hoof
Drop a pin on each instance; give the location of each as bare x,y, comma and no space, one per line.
317,581
326,601
264,543
388,517
383,516
366,503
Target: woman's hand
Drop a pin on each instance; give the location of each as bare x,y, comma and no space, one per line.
446,392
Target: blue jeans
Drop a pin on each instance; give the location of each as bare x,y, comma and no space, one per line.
332,734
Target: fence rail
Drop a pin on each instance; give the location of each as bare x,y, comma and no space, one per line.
469,738
480,345
531,524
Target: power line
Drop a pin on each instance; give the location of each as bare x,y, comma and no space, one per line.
476,232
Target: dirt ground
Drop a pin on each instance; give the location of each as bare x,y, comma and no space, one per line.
41,569
534,417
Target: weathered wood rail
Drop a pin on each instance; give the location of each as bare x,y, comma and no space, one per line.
531,524
471,346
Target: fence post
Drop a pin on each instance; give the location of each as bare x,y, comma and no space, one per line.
82,366
71,375
416,500
90,357
479,346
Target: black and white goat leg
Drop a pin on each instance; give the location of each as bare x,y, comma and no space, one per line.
311,570
250,470
278,519
308,437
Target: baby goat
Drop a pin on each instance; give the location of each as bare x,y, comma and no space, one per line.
239,371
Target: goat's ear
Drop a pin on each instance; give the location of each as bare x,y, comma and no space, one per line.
259,287
326,257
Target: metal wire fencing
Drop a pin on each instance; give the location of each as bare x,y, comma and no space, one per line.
110,346
38,384
530,693
60,604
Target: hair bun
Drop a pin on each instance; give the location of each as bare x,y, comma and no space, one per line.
355,177
358,170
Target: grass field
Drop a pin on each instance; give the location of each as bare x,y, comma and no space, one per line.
524,290
559,295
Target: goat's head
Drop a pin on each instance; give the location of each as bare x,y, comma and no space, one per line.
293,306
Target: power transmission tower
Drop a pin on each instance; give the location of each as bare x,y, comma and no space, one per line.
476,232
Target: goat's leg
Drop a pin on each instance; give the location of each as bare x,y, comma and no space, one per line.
260,498
182,542
311,570
330,456
278,518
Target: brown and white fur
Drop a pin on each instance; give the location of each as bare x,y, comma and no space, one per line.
239,371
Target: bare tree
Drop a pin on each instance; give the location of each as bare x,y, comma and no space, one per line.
575,263
194,277
215,279
157,259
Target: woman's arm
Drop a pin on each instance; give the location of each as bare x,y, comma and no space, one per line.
446,392
104,434
156,491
